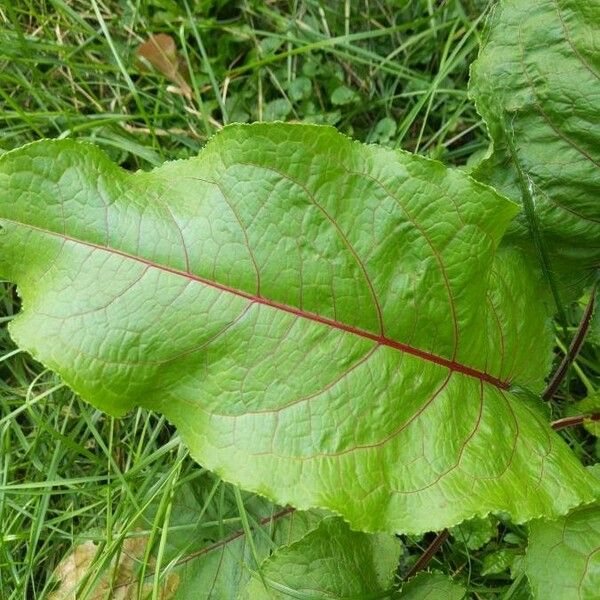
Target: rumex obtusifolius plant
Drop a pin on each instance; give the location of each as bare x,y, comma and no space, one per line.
302,308
332,325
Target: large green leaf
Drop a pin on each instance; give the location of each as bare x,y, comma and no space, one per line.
536,83
328,324
329,562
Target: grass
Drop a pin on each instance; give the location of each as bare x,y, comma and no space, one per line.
388,72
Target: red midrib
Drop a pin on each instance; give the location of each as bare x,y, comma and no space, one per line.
379,339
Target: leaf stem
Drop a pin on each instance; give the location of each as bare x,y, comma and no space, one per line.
572,421
574,348
428,554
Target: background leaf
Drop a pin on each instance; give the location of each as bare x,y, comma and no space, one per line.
197,562
331,561
563,560
536,84
431,586
475,533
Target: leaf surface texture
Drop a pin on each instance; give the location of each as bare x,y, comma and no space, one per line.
328,324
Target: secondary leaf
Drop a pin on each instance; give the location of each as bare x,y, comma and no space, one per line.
500,560
475,533
563,556
222,569
215,563
330,562
536,83
431,586
328,324
196,563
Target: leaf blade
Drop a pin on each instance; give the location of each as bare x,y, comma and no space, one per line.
267,397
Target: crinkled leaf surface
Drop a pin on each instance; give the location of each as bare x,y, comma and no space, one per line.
563,556
328,324
431,586
331,561
537,80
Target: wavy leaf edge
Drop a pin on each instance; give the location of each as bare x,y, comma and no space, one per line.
222,473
